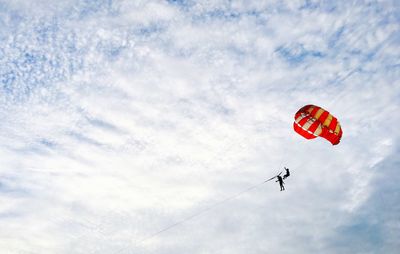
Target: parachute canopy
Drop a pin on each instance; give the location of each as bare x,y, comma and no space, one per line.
312,121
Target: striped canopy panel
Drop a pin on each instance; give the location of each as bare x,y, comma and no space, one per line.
312,121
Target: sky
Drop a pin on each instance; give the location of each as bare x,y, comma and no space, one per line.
148,126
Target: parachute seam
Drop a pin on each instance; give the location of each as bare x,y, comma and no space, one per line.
306,130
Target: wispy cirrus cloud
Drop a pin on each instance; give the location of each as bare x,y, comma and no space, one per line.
121,118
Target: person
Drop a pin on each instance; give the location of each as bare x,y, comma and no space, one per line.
287,174
281,183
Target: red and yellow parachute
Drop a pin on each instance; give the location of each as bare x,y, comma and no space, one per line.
312,121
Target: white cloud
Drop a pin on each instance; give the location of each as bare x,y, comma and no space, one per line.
120,119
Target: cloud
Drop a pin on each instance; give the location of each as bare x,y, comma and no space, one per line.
121,118
374,227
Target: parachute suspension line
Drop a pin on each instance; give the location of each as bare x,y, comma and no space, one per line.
205,210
